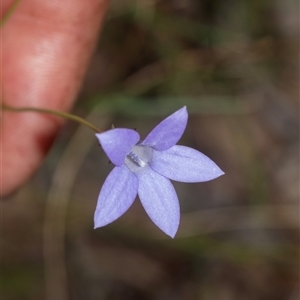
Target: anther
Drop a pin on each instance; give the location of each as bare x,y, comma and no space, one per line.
136,160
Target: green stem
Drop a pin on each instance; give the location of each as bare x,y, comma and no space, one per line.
9,12
52,112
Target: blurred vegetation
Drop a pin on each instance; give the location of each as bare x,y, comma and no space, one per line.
235,64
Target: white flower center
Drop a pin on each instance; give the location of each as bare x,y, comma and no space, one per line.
138,158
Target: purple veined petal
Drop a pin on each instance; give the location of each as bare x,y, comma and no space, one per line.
159,200
117,143
184,164
116,196
168,132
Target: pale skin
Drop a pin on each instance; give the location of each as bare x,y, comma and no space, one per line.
46,48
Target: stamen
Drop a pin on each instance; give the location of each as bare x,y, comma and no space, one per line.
136,160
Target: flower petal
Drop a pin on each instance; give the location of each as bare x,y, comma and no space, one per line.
117,143
185,164
160,201
168,132
116,196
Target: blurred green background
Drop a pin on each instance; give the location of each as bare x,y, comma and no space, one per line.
235,65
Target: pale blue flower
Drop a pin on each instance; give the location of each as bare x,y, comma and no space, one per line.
145,169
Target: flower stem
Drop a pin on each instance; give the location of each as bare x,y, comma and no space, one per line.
10,11
52,112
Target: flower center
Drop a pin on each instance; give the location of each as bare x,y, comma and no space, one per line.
138,158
